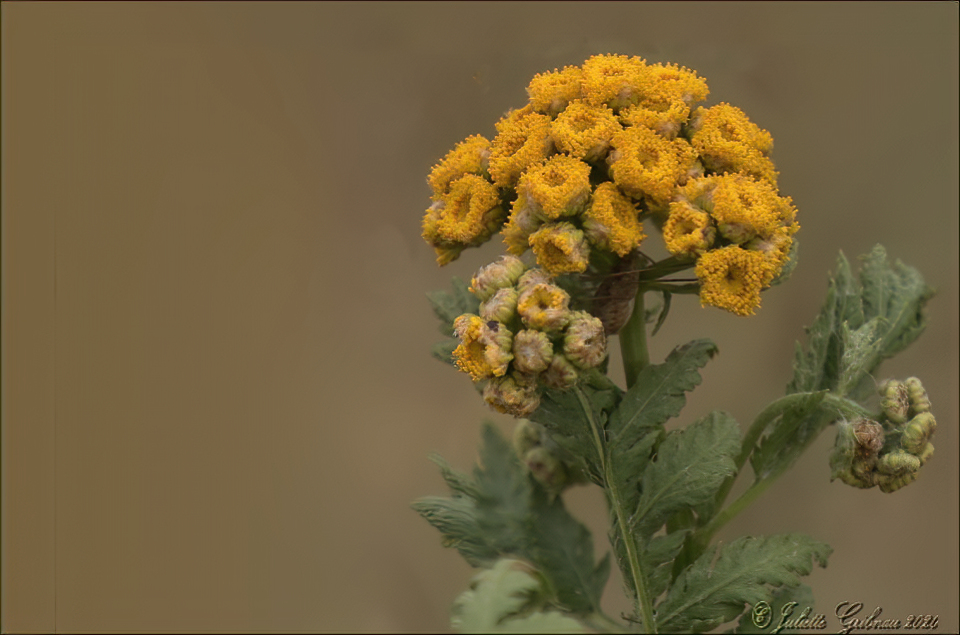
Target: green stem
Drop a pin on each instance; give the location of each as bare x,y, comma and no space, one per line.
633,341
642,605
765,418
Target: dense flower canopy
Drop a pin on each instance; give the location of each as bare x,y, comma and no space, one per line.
598,149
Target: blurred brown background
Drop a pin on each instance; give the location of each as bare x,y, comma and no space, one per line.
217,394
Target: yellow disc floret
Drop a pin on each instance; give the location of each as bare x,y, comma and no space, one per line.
615,80
559,187
665,104
560,248
688,230
485,348
731,278
611,221
728,141
471,211
584,131
551,92
467,157
646,165
523,140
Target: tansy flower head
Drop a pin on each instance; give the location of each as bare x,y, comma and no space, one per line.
485,348
646,165
611,221
559,187
560,373
615,80
744,207
551,92
731,278
523,140
501,306
667,96
467,157
688,231
584,131
490,278
544,307
560,248
727,141
471,211
523,222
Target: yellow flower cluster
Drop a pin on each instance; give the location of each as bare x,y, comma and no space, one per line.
602,146
525,337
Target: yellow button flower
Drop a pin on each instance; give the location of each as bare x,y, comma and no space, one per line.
523,140
551,92
688,230
559,187
544,307
467,157
584,131
485,348
744,207
665,104
560,248
612,222
470,211
515,394
615,80
728,141
646,165
731,278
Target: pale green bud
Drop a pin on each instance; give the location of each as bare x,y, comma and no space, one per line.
498,342
532,351
497,275
546,469
584,343
917,433
894,401
855,452
560,373
502,306
919,402
526,436
512,394
897,463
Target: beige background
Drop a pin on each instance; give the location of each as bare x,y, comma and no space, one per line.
217,393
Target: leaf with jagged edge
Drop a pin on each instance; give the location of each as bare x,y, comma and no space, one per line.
801,599
713,591
562,413
502,511
509,597
658,395
690,466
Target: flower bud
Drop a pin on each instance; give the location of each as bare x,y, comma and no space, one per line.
526,436
560,374
497,275
894,401
917,395
584,343
546,469
917,432
897,463
561,248
544,307
512,394
559,187
855,452
533,277
485,347
501,307
532,351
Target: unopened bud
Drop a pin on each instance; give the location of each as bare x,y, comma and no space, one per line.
502,306
917,433
546,468
560,374
532,351
512,394
894,401
526,436
584,343
496,275
544,307
919,402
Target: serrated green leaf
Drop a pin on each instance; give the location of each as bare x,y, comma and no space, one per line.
861,348
658,395
710,593
504,599
449,305
787,603
658,560
689,468
502,512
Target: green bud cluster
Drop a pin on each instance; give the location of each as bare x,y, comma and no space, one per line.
525,337
888,453
547,462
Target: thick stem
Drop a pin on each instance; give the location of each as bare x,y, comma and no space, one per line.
633,341
642,605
